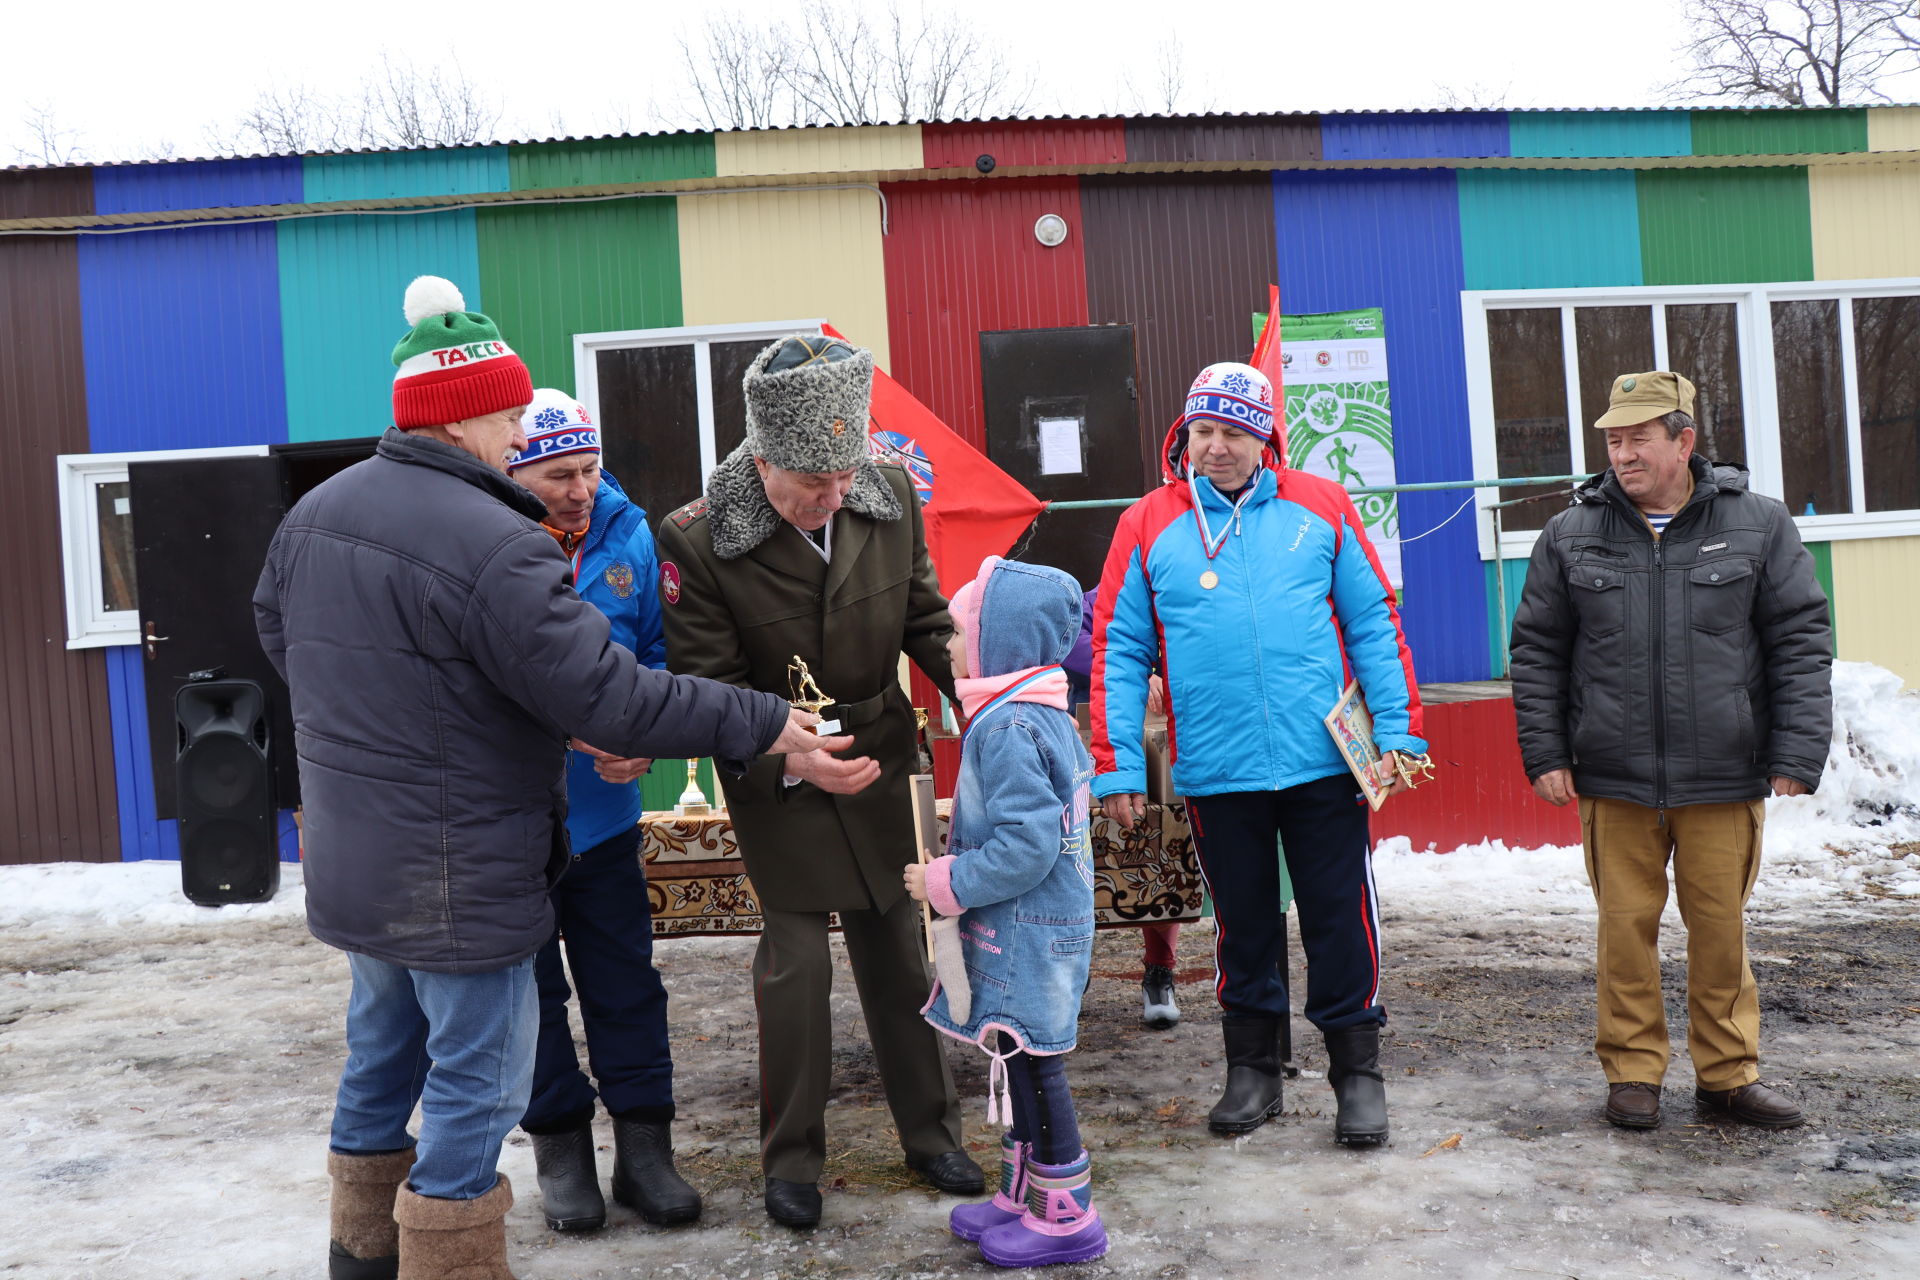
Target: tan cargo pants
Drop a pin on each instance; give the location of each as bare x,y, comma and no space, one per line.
1715,852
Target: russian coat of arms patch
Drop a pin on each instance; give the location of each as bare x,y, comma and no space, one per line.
620,579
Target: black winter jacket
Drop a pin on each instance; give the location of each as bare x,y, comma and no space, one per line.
1683,671
438,660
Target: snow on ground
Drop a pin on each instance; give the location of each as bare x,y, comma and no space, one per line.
166,1074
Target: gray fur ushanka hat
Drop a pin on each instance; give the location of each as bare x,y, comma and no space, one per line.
807,400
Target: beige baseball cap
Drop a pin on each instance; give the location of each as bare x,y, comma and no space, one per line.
1641,397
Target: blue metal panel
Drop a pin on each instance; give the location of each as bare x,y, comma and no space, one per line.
142,835
1392,240
1445,135
1549,228
456,171
196,184
341,284
1601,134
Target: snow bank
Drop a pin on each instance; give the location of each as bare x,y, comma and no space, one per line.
127,893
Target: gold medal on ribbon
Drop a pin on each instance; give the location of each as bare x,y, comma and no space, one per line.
1209,580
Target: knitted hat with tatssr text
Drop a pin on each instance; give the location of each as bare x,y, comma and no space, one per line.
452,365
557,426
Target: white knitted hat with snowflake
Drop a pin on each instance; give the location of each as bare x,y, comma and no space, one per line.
556,425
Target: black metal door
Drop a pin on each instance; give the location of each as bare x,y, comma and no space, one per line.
1061,420
200,533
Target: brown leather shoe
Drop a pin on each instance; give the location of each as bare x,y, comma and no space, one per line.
1752,1104
1634,1104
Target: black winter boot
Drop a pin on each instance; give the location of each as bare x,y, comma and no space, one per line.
569,1183
1353,1069
644,1178
1253,1076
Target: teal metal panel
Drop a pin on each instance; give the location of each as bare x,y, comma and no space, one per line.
1499,628
1572,135
454,171
341,285
1549,228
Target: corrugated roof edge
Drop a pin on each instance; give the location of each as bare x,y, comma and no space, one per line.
990,120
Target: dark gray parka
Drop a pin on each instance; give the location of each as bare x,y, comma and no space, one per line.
1681,671
438,660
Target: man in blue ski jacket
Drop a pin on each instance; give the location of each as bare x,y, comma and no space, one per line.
1255,589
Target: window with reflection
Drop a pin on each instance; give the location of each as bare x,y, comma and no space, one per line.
1886,341
1811,392
1703,345
1609,341
1529,408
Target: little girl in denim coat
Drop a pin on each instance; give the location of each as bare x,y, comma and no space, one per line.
1018,878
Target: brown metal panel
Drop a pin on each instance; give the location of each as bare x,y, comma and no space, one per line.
1185,259
57,799
1276,138
45,193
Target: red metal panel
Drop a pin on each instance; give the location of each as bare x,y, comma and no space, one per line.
961,258
1025,142
1479,791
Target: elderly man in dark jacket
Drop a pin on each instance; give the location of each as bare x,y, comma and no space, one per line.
1671,659
439,660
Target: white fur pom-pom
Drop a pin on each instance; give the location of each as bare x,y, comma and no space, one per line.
432,296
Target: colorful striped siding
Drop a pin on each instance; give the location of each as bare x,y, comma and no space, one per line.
1717,226
196,184
1600,134
1863,220
876,148
607,161
1779,133
1392,240
455,171
548,273
1024,143
1438,135
1874,620
341,285
1549,228
826,245
1893,128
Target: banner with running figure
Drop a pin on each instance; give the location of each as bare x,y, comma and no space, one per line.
1339,412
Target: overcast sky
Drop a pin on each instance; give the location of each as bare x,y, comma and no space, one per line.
123,77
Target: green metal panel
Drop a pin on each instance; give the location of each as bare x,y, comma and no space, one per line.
597,162
1549,228
550,272
661,786
1498,628
1822,553
341,285
1779,132
1599,134
453,171
1715,226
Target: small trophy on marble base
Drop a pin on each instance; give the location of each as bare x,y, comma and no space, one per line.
693,801
808,697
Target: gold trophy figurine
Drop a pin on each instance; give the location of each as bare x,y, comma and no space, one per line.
693,801
807,695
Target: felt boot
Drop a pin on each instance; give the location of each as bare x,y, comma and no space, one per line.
971,1221
1252,1095
1353,1069
644,1178
569,1183
454,1239
1060,1223
364,1239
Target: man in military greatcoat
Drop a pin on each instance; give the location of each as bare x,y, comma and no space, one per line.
804,547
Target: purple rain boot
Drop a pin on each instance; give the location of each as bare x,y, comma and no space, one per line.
971,1221
1060,1224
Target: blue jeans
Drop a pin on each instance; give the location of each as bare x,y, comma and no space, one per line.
459,1044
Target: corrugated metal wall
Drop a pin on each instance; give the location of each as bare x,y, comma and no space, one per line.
1875,620
199,184
1599,134
877,148
1713,226
460,171
1549,228
601,161
1390,136
1391,239
1025,143
1276,139
1893,128
1865,221
1779,133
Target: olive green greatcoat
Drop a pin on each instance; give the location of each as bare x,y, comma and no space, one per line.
743,620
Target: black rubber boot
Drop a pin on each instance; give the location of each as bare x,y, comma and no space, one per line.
1353,1069
1252,1095
569,1183
644,1178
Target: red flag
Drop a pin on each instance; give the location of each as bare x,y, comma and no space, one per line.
1266,358
972,508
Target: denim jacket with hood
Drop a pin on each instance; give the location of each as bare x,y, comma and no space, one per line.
1019,859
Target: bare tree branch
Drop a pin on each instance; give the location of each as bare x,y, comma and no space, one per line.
46,142
1797,52
1163,88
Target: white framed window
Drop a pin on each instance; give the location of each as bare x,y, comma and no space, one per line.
96,534
1813,386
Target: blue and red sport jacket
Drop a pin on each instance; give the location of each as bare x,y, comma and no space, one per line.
1258,640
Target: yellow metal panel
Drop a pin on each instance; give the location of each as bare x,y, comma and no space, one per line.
855,149
1877,620
1893,128
1863,220
781,255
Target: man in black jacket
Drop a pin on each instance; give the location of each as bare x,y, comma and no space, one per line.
1671,660
439,660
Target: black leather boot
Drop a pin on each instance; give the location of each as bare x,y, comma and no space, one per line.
644,1178
1353,1069
569,1183
1253,1076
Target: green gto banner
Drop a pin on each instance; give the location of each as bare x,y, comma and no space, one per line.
1339,413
